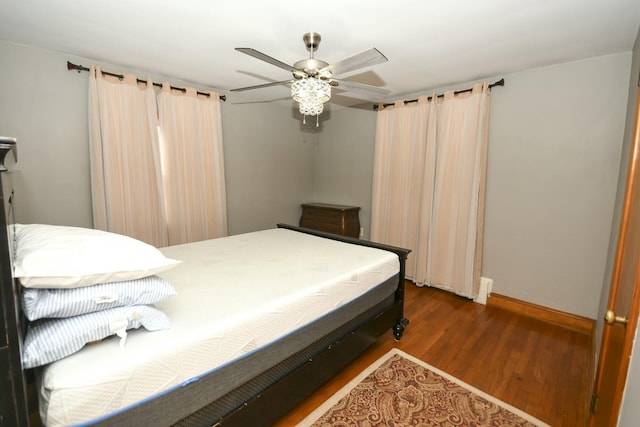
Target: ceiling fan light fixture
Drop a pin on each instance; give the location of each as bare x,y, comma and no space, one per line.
313,78
311,108
310,94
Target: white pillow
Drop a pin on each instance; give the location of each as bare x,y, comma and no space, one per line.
39,303
54,256
52,339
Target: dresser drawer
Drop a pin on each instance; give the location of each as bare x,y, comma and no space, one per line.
329,227
323,215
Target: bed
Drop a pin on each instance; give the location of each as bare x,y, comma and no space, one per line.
262,336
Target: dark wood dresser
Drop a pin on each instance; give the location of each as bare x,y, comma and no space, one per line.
337,219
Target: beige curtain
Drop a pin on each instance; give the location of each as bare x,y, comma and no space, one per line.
428,186
124,158
192,164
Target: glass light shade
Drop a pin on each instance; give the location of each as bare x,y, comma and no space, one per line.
310,108
311,94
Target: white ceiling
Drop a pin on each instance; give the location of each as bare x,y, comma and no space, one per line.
429,43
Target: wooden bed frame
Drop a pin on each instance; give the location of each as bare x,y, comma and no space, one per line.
321,361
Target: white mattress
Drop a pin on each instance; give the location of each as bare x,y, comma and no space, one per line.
235,295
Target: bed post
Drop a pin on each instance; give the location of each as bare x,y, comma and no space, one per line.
398,329
13,400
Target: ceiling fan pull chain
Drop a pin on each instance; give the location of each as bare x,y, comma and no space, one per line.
304,119
317,123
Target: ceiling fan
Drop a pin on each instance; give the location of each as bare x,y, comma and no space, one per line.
313,78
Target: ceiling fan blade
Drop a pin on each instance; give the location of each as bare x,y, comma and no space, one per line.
264,101
240,89
363,59
266,58
361,89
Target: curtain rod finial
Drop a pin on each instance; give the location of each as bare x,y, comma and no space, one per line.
78,68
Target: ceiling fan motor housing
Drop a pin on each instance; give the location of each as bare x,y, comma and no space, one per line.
310,66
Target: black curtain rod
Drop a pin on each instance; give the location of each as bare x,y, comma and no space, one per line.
78,68
408,101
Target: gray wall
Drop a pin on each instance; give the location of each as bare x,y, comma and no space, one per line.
45,107
554,152
343,169
268,165
553,165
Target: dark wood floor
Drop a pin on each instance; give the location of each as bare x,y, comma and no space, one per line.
537,367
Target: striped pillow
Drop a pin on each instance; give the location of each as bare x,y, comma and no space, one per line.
53,339
40,303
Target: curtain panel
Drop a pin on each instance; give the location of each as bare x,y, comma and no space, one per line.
157,161
192,165
126,180
429,183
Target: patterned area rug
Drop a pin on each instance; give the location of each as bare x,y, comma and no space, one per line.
400,390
